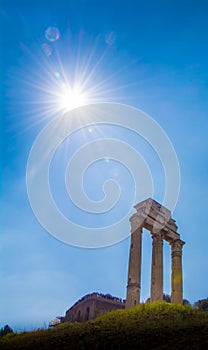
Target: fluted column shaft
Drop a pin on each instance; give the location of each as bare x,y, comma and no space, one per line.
157,267
176,275
134,273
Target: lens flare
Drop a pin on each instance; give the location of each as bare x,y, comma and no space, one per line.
46,49
57,75
52,34
62,79
110,38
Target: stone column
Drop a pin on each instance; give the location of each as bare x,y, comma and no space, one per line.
176,277
157,267
134,273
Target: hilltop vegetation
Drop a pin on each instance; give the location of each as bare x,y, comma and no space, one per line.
147,326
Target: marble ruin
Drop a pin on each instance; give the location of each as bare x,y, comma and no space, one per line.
157,219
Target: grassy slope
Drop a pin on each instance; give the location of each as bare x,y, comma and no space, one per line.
148,326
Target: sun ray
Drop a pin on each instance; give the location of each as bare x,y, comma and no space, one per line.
72,76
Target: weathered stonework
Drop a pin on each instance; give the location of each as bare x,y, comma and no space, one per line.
157,267
134,275
157,219
92,305
176,276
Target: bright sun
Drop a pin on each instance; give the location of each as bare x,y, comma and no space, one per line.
71,98
61,89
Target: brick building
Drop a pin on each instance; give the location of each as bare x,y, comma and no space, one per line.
92,305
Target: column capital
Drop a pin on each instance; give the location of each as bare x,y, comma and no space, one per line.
177,245
157,237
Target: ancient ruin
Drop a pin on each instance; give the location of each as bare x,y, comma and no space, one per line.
92,305
157,219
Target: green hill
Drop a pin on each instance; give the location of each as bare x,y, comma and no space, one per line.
147,326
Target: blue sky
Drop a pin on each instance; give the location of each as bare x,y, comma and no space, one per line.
151,55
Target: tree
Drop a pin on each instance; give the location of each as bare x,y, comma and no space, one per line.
5,330
201,304
166,297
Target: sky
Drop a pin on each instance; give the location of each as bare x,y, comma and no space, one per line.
149,55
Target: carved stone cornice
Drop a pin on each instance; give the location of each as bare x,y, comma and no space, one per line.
154,217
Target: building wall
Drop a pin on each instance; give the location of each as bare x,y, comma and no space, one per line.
92,305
